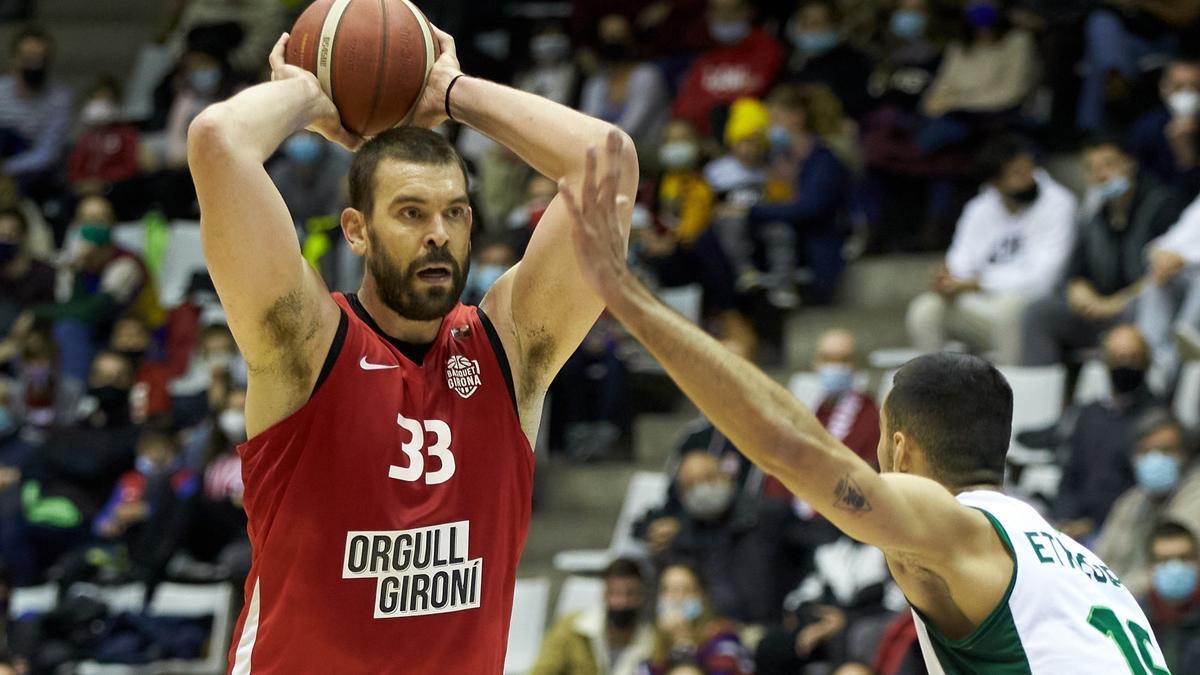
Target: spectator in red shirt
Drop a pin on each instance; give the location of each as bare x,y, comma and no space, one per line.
133,338
105,157
744,63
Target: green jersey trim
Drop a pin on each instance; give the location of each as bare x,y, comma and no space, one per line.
998,627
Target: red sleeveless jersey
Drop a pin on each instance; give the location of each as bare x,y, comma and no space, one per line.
387,514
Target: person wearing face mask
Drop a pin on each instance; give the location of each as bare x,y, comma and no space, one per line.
744,63
610,640
819,55
1010,247
1173,602
631,94
1169,306
1119,38
202,79
1166,141
1125,209
689,628
35,113
492,258
133,338
728,530
25,281
105,157
1098,435
982,80
309,174
1167,487
552,72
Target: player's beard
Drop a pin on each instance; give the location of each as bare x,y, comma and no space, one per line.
400,289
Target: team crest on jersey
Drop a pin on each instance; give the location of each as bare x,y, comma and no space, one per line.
462,375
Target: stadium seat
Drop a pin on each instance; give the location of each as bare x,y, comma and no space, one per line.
579,593
1037,395
530,599
647,490
1093,385
32,600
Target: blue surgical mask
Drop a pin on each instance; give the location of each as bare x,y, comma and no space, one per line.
302,148
729,32
779,138
836,378
146,466
908,24
1113,188
690,609
1156,472
205,81
1175,580
483,277
814,43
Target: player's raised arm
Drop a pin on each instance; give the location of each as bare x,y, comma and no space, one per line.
897,512
275,302
544,301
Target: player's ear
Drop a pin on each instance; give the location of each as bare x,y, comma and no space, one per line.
901,453
354,228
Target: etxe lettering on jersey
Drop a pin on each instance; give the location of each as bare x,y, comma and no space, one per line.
1050,550
418,572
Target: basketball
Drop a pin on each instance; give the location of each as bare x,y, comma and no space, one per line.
372,58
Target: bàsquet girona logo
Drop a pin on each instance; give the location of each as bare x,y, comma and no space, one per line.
462,375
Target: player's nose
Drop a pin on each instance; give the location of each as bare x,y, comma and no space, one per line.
438,236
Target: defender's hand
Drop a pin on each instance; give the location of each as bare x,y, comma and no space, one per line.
599,243
431,108
325,119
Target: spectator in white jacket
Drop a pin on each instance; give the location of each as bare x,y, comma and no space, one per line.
1169,308
1010,247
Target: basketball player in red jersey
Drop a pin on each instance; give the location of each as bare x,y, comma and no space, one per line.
389,468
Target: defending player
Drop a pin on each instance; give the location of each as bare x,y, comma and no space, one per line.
389,467
994,587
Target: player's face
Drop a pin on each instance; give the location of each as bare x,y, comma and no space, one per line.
419,238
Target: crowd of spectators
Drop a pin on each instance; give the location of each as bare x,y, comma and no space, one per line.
779,141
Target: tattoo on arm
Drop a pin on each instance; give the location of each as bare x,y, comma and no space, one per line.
848,496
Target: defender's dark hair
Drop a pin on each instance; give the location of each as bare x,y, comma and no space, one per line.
623,568
404,144
998,153
958,408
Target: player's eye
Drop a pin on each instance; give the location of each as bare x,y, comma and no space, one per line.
456,212
411,213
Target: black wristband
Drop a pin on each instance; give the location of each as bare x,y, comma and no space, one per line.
448,89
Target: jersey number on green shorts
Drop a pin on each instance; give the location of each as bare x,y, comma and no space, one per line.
1139,658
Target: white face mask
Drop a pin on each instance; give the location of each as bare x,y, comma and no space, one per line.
233,425
1184,103
98,112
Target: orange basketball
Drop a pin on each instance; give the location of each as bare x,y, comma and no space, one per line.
372,58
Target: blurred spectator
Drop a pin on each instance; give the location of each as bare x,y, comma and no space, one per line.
553,73
984,78
105,158
203,78
35,115
744,63
310,174
820,55
851,416
72,475
1166,141
1010,247
1173,603
610,640
1126,209
1117,42
631,94
804,219
732,538
108,281
911,56
39,236
147,512
245,29
1167,487
739,177
1097,467
24,281
47,398
590,394
214,362
492,257
524,217
849,588
688,627
1169,307
132,338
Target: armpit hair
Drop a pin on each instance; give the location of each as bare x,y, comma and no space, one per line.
290,324
538,347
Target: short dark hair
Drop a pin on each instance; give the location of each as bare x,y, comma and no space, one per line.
1168,529
1153,420
19,216
1099,140
998,153
404,144
30,31
623,568
958,408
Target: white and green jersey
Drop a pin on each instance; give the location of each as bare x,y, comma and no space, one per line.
1063,612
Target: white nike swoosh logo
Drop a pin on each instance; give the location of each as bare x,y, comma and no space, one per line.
365,365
